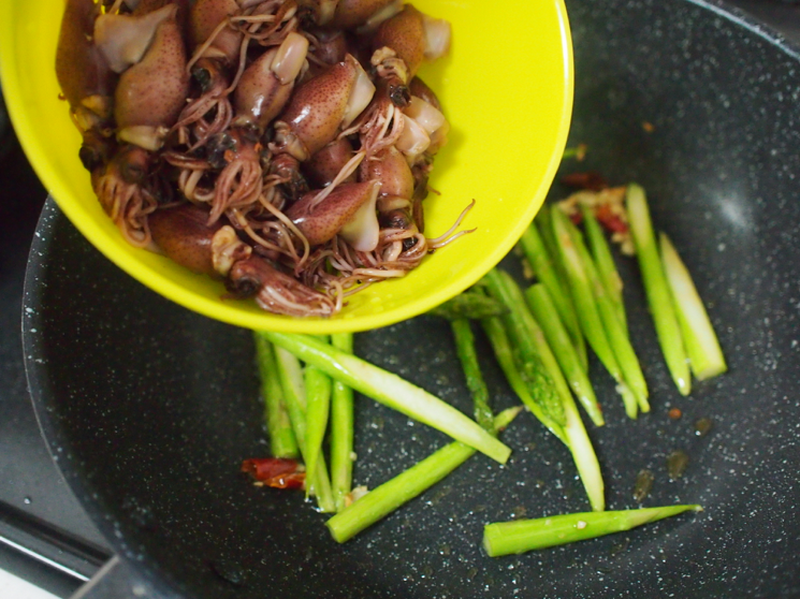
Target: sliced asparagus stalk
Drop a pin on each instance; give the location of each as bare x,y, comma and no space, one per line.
604,260
471,305
544,268
501,347
384,499
520,328
392,391
318,402
518,536
342,430
705,354
544,311
465,348
615,333
656,288
281,437
578,440
290,373
588,310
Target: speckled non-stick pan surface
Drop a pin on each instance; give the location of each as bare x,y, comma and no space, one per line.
149,409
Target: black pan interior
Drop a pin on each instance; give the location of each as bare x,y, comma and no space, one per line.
149,409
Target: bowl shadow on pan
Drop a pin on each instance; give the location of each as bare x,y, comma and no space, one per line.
149,409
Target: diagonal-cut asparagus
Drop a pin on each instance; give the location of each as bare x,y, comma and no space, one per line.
578,440
615,332
318,403
342,430
604,260
392,391
501,347
705,354
656,288
290,374
588,310
281,437
518,536
545,269
544,311
389,496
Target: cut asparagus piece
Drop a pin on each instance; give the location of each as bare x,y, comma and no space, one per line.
544,311
544,268
501,347
281,436
465,348
342,430
579,443
588,310
521,330
392,391
318,402
615,333
384,499
518,536
657,289
291,376
472,305
604,260
705,354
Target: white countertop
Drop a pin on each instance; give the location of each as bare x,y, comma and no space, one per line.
11,586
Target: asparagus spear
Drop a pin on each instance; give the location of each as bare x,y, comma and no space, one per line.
604,261
702,345
342,419
501,347
588,310
544,311
518,536
471,305
656,288
291,376
465,347
392,391
543,267
318,402
578,440
389,496
615,332
520,330
281,437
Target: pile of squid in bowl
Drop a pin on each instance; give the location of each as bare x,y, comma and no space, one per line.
283,146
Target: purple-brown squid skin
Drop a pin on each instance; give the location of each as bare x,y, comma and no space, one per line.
184,235
86,81
350,14
275,291
417,87
312,118
267,83
322,222
331,47
405,34
204,17
391,169
151,93
321,169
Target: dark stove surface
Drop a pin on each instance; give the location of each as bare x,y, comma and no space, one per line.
44,534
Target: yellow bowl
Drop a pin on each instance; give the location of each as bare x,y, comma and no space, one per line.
506,88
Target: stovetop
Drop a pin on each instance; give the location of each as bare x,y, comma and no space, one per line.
45,536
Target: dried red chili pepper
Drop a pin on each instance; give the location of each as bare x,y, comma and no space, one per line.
279,473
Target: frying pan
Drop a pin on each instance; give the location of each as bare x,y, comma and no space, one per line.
148,409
